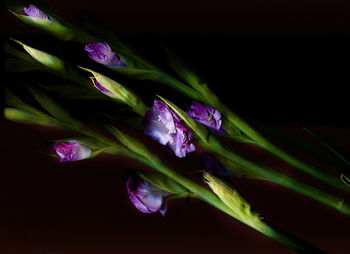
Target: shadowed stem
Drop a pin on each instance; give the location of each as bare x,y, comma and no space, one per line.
208,97
278,177
203,193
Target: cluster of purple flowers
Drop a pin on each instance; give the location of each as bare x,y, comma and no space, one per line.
165,126
160,122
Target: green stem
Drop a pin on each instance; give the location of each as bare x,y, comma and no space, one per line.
278,177
209,197
203,193
166,79
279,152
208,97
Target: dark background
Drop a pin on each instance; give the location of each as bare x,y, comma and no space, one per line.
284,63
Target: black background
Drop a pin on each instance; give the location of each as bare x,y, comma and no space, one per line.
281,62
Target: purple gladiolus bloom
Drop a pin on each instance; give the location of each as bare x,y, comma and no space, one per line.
165,126
146,197
103,54
206,115
213,165
71,150
35,12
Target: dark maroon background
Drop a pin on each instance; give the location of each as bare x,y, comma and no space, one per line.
279,62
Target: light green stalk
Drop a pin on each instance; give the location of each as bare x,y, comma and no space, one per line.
209,141
135,149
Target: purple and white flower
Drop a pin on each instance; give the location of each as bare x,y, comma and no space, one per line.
35,12
146,197
71,150
165,126
103,54
206,115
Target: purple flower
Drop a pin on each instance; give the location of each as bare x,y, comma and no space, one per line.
33,11
212,165
146,197
165,126
103,54
71,150
206,115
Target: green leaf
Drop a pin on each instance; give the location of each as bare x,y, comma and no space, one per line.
71,91
162,182
14,101
199,129
132,143
183,71
302,146
136,73
53,108
22,116
18,65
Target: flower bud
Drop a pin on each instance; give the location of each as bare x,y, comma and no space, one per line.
165,126
146,197
103,54
35,12
206,115
71,150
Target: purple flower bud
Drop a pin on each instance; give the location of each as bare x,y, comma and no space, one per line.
206,115
146,197
33,11
103,54
165,126
102,88
212,165
71,150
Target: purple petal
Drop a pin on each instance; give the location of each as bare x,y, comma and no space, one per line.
71,150
206,115
35,12
165,126
103,54
102,88
146,197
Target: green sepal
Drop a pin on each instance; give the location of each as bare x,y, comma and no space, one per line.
240,208
50,61
199,129
91,142
162,182
119,92
54,64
